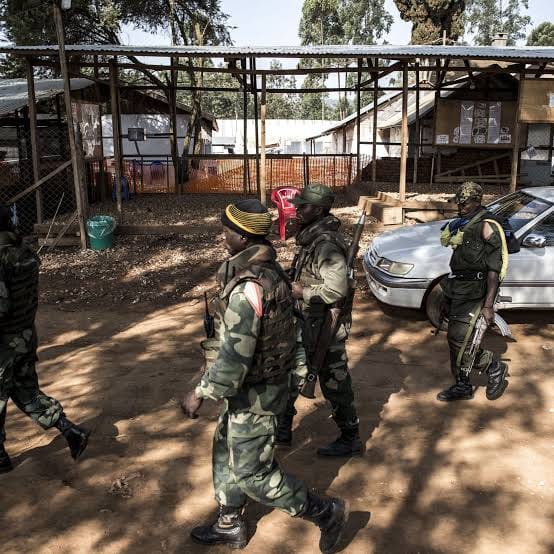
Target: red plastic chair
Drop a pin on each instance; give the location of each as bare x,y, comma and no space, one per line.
281,197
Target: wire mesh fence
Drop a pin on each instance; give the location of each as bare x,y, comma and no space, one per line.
16,175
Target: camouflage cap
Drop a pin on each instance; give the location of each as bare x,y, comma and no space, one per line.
468,191
316,194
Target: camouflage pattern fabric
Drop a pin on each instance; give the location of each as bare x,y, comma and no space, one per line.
468,191
238,332
459,320
324,275
244,465
19,381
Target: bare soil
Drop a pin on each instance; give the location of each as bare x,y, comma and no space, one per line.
473,477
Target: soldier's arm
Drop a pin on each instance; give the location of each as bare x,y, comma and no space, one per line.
331,265
239,333
493,260
4,294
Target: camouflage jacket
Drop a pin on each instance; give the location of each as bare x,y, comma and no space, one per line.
19,269
322,259
239,331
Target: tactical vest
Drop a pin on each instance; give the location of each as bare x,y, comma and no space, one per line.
276,345
21,268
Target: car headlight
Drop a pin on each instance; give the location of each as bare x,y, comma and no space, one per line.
394,268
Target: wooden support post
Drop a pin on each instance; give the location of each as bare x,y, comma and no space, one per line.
116,131
358,122
263,108
417,127
255,93
404,136
70,128
517,138
245,172
375,116
34,136
174,139
101,167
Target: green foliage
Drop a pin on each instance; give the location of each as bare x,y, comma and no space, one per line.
364,21
486,18
431,17
542,35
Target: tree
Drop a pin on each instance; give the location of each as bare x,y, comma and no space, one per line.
364,21
486,18
542,35
281,105
430,18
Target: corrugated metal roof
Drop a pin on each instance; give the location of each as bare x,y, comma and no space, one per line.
385,51
13,92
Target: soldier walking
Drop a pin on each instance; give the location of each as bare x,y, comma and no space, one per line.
19,272
256,352
478,264
321,280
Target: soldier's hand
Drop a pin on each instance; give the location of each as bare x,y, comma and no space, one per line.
298,290
488,314
191,404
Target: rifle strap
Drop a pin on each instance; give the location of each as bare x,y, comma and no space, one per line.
470,329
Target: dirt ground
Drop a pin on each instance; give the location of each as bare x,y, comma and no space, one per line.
474,477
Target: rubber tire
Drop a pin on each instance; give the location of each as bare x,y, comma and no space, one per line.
433,306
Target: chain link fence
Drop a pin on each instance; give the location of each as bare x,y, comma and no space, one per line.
16,175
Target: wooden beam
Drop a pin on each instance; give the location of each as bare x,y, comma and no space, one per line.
77,179
263,108
358,122
34,136
246,163
517,131
417,128
255,93
404,136
374,130
40,182
116,132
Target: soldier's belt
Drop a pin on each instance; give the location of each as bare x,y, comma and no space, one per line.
468,275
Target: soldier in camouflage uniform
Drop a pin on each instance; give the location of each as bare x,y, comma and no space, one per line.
255,343
321,279
19,270
478,263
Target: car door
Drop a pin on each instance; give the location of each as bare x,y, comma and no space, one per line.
530,278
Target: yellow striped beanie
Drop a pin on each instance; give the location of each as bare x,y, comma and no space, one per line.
247,217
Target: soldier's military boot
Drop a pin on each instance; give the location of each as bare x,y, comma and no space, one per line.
347,444
330,515
229,529
5,462
283,432
497,383
76,437
461,390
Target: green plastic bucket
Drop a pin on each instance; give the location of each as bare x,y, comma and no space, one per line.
100,230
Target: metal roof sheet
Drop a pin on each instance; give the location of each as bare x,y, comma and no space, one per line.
13,92
385,51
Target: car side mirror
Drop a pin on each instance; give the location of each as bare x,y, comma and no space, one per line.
534,240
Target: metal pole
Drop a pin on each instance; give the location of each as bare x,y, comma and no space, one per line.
34,136
70,128
404,135
263,108
116,132
358,121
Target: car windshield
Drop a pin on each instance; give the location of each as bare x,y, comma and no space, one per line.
518,208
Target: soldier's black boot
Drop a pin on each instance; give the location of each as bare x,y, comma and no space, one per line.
348,444
229,529
76,437
497,383
5,462
283,432
330,515
461,390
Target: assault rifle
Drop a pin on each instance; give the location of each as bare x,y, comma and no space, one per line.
333,317
209,326
479,333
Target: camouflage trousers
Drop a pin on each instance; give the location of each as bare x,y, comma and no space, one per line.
19,381
335,383
244,465
460,314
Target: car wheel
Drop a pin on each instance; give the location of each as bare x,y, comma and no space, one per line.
433,306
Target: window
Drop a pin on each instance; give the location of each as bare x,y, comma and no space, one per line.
546,228
518,208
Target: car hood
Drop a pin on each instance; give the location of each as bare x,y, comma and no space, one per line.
418,245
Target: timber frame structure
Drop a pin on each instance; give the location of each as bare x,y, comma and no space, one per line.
442,68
